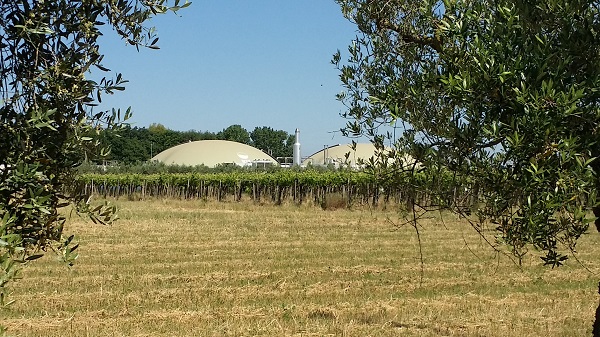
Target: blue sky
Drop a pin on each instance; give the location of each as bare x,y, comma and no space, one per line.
253,63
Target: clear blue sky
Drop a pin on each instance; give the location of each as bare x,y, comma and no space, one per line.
253,63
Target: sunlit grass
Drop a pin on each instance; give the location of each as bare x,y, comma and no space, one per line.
192,268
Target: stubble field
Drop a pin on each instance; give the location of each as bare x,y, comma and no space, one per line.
194,268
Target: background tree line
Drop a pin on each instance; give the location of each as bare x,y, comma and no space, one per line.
138,144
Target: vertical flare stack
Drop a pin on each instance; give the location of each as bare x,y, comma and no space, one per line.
297,148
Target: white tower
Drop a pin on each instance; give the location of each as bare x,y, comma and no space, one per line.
297,148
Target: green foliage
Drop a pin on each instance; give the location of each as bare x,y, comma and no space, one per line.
502,94
134,145
282,178
235,133
158,167
157,128
320,185
47,128
276,143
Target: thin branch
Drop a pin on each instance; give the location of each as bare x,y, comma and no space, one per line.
424,41
416,227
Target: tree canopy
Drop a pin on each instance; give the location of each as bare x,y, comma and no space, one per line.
134,144
276,143
235,133
503,94
47,52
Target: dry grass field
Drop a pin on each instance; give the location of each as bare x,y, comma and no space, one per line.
194,268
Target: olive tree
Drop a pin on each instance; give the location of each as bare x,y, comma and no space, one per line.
499,97
48,50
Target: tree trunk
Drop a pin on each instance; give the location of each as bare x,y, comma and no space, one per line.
596,167
596,326
597,215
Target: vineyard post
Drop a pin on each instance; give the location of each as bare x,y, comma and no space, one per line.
220,190
295,189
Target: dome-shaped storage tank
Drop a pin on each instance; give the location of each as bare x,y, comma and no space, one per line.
214,152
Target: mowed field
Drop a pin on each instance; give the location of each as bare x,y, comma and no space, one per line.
194,268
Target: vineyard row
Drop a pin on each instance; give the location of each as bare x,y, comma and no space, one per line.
277,187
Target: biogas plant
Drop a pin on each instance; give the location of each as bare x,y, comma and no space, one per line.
211,153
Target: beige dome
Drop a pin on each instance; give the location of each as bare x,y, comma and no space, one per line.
336,155
212,153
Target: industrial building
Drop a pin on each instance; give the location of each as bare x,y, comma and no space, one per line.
211,153
336,155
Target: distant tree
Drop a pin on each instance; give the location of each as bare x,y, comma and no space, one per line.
164,140
133,144
129,145
501,94
192,135
235,133
289,145
47,50
276,143
157,128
